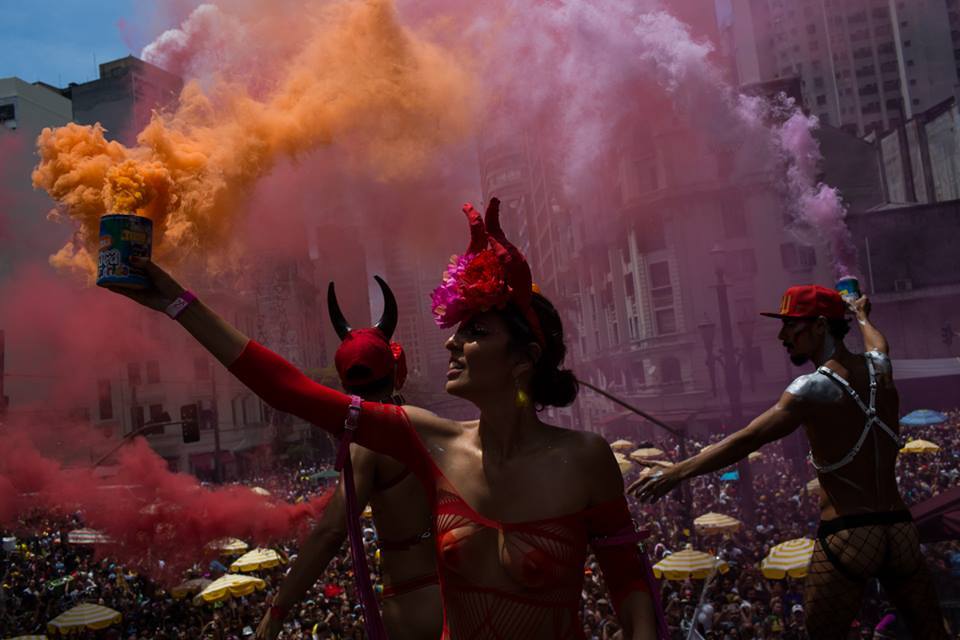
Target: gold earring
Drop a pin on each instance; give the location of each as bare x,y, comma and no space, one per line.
521,399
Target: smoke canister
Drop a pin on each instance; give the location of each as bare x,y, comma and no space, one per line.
849,288
123,236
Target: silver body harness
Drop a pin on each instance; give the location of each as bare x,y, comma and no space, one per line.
873,420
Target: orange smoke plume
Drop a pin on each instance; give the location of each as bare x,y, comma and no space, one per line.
383,97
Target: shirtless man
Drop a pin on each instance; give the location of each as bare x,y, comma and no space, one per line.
849,409
373,367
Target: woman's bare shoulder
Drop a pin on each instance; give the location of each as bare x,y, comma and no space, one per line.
595,461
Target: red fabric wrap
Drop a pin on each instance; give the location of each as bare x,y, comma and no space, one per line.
613,538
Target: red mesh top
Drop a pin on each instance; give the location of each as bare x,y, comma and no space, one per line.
499,580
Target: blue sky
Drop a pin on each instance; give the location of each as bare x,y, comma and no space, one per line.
56,41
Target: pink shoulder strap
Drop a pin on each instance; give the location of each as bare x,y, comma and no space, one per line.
371,613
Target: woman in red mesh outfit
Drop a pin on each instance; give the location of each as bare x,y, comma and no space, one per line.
516,501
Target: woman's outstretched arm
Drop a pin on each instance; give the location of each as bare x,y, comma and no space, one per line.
383,428
224,341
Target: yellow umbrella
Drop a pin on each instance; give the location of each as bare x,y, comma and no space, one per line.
920,446
229,546
622,445
227,586
716,523
184,589
646,453
260,491
790,558
257,559
688,564
84,616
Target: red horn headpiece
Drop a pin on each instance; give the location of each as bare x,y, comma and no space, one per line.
491,274
368,355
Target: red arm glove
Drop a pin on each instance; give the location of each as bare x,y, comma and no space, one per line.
613,538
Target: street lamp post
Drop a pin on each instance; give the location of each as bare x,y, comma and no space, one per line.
730,359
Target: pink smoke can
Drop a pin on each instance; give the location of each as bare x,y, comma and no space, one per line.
849,288
123,236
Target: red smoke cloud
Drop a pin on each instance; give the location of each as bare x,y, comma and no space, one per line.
159,522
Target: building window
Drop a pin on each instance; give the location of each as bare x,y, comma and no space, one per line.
654,236
8,116
666,321
133,373
661,297
795,257
153,372
105,399
157,415
136,418
670,375
734,219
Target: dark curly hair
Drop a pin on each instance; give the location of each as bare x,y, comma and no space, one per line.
550,385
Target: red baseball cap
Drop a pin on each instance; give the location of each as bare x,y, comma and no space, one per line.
365,356
810,301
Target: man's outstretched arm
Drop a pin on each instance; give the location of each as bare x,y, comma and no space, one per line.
776,422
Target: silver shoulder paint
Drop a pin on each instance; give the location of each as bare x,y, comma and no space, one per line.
816,387
881,362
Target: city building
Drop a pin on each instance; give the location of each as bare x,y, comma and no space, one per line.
920,158
913,275
669,309
865,65
123,98
25,109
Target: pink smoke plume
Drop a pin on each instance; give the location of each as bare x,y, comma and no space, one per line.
816,206
599,64
158,522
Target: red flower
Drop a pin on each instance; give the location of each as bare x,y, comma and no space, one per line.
482,284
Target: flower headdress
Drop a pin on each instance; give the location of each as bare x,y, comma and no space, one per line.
489,275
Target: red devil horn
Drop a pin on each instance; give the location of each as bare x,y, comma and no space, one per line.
478,233
492,221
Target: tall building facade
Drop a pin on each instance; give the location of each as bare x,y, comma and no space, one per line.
538,216
25,110
123,98
684,225
865,65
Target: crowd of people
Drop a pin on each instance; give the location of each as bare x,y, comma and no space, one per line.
43,575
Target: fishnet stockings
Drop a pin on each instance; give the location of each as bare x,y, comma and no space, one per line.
890,553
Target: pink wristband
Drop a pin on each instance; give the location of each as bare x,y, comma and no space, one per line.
178,306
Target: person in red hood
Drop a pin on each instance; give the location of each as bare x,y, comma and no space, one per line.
372,366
